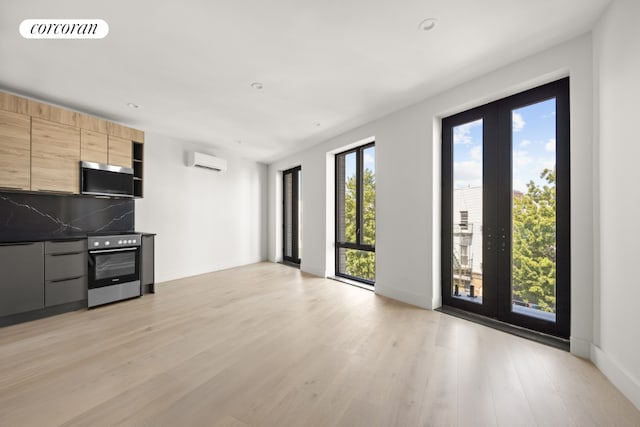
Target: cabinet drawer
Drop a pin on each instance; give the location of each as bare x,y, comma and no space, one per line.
68,266
65,246
56,293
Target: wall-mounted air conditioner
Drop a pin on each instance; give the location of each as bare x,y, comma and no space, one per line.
207,161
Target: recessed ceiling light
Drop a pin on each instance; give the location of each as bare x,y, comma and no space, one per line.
256,85
428,24
132,105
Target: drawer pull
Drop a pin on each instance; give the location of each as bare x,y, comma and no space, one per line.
66,253
64,280
18,244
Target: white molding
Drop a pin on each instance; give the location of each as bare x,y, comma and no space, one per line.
418,300
313,271
580,347
628,385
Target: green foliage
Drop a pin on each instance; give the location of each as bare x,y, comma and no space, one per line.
361,263
534,244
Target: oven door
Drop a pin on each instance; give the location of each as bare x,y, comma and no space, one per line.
113,266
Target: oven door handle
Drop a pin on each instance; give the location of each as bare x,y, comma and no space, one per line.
113,250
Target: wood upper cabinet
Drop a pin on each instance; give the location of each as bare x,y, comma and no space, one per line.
52,113
93,123
14,103
15,151
55,157
120,151
41,146
137,135
94,147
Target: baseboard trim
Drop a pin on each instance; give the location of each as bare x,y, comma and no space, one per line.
410,298
628,385
580,347
319,272
290,264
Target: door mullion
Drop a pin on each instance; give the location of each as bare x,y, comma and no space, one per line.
491,179
503,190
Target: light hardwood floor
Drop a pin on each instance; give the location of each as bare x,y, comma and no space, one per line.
265,345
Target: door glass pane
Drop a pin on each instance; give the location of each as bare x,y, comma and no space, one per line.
533,254
346,187
356,263
467,212
288,220
369,196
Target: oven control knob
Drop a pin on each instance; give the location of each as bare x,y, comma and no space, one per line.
134,240
119,242
96,243
107,243
129,241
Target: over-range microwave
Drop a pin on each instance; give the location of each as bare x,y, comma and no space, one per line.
100,179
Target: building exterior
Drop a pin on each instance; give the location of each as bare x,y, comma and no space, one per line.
467,240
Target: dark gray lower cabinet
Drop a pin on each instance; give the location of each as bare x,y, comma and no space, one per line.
65,291
21,278
65,272
147,265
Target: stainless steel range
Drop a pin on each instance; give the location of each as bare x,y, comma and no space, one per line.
114,268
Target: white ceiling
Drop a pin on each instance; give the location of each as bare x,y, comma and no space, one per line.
189,64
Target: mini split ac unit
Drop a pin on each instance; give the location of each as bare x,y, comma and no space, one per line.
207,161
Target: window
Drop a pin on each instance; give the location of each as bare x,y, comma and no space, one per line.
505,209
356,214
291,239
464,219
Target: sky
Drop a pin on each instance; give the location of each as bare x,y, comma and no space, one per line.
369,161
533,147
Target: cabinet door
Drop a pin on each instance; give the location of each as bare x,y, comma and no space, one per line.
120,151
93,147
55,157
15,151
22,273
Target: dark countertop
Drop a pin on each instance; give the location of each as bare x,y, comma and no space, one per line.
54,239
66,238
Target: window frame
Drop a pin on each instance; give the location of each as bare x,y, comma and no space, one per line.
358,245
295,225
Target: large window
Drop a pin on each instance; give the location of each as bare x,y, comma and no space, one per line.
356,214
505,209
292,213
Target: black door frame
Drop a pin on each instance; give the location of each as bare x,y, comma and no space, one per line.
295,230
497,208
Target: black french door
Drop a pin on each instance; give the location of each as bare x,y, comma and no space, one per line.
291,238
505,210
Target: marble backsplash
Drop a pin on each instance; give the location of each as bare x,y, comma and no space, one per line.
28,217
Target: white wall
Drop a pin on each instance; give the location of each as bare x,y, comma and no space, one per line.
408,185
205,220
617,69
